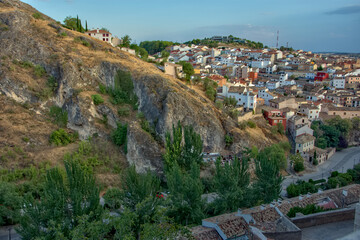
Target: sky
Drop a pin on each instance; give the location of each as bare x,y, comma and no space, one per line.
313,25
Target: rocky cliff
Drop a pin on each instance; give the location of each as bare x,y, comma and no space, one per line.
78,64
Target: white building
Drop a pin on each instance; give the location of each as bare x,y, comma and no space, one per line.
244,96
100,34
311,111
260,64
271,69
338,82
271,85
310,75
266,95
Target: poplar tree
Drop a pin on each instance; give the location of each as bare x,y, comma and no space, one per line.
62,204
185,206
231,182
268,179
183,152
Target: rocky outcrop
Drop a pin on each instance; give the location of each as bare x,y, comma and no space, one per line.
143,151
79,69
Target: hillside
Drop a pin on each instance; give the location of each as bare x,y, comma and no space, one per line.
35,48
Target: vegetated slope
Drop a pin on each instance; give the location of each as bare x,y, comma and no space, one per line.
44,64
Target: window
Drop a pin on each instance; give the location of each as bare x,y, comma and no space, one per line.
89,34
103,34
103,39
107,34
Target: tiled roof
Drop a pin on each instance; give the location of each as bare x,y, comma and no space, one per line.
95,31
236,89
204,233
336,195
304,138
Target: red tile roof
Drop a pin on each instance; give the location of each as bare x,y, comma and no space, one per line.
95,31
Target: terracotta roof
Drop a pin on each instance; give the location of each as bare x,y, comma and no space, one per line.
336,195
95,31
204,233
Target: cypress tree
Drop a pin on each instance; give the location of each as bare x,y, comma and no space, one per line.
86,28
77,22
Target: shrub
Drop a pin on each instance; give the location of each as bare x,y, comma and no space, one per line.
251,124
234,114
52,83
102,88
39,71
37,15
119,136
97,99
59,116
124,111
61,137
228,140
62,34
281,129
113,198
309,209
274,130
85,43
299,166
123,92
219,105
242,125
25,64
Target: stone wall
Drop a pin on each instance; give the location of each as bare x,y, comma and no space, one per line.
324,218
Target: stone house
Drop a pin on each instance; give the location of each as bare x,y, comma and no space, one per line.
174,70
284,102
304,143
100,34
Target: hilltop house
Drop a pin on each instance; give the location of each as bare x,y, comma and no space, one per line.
174,70
100,34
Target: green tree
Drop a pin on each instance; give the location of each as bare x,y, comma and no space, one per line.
315,161
230,102
267,186
137,187
10,204
186,206
73,23
231,182
274,153
125,41
62,203
298,162
188,69
183,154
173,147
165,54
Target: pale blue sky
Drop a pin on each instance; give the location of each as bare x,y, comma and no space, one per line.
315,25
